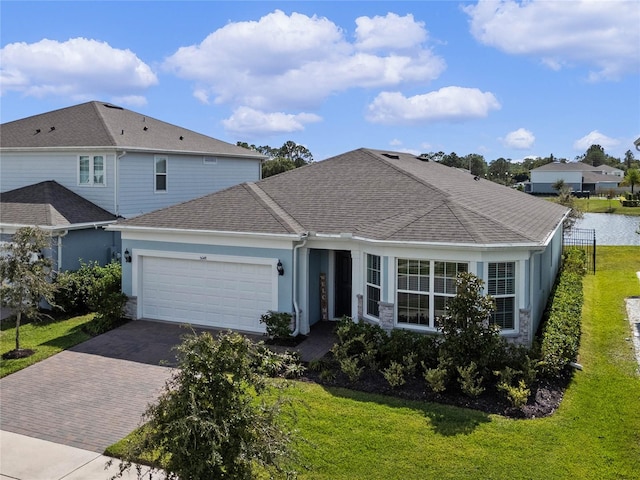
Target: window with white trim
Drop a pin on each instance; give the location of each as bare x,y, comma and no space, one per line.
373,285
423,289
501,286
91,170
444,285
161,174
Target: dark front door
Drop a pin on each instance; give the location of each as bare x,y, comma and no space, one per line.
342,283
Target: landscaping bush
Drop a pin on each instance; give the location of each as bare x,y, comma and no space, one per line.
561,331
278,324
93,288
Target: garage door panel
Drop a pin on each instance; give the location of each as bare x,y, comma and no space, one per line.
212,293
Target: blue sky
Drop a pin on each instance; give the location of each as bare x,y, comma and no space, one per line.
500,78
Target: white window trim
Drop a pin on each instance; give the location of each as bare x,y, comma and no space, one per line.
155,173
515,295
431,294
92,172
367,284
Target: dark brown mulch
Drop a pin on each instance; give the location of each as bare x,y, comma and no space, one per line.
21,353
286,341
544,399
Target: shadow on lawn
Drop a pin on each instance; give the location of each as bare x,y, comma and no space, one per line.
446,420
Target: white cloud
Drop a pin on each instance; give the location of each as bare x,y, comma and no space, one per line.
446,104
395,142
521,139
286,62
595,138
248,121
79,68
390,32
603,36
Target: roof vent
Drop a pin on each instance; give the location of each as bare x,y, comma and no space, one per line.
52,129
146,128
108,105
392,156
38,131
181,137
423,157
476,178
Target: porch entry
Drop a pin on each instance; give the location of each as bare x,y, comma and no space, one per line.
342,283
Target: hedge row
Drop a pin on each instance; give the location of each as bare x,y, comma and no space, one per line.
561,333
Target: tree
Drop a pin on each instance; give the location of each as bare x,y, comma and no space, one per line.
632,178
565,198
500,171
26,277
213,419
289,156
594,156
629,159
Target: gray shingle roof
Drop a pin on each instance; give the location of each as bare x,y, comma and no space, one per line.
99,124
49,204
368,194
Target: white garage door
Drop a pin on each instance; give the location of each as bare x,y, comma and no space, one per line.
224,294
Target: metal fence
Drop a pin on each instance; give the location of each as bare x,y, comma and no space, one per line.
584,239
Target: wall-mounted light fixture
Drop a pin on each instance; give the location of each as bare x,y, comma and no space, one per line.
127,256
280,268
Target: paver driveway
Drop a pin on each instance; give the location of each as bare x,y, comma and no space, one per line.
95,393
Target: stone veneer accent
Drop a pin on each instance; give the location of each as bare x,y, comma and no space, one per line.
360,307
386,316
131,308
523,337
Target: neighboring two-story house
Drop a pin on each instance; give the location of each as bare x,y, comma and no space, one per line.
123,162
578,176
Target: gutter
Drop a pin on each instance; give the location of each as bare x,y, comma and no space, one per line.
296,307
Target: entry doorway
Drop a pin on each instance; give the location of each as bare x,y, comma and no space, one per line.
342,283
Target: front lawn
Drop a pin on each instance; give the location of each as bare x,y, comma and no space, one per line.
603,205
595,434
47,338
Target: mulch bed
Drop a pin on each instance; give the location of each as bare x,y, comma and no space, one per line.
544,399
21,353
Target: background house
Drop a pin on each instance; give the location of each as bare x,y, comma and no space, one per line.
122,162
74,224
375,235
580,177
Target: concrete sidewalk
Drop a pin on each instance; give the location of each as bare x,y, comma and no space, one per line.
28,458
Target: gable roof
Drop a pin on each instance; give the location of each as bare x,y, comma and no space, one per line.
49,204
575,167
397,198
99,124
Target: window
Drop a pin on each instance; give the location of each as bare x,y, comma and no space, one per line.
161,174
444,284
373,285
423,289
413,291
501,286
91,170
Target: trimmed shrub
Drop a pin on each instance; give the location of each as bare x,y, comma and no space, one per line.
562,329
278,324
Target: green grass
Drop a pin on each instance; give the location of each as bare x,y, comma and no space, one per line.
47,338
595,434
602,205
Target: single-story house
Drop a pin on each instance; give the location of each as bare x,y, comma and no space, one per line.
122,162
579,176
376,235
76,226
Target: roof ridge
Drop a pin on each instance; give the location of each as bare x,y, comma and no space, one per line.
284,218
103,122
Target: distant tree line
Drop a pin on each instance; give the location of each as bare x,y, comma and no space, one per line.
287,157
501,170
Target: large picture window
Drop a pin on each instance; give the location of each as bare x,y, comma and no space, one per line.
161,174
91,170
373,285
501,286
423,288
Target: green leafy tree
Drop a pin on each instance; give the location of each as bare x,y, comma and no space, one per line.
500,171
217,417
594,156
276,166
629,159
632,178
289,156
26,275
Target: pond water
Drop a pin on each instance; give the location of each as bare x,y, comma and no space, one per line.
612,229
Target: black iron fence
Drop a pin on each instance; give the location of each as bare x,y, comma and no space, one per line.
584,239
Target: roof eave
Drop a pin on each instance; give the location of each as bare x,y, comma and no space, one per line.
132,149
56,228
222,233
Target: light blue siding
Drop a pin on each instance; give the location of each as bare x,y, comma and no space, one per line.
285,285
89,245
188,177
21,170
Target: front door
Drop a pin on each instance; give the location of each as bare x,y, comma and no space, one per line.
342,284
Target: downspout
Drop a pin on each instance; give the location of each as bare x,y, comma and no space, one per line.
60,236
296,307
116,203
